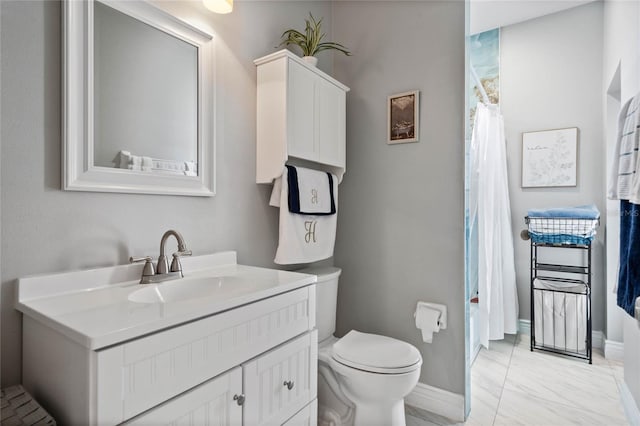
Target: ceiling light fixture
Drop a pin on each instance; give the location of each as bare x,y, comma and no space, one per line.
219,6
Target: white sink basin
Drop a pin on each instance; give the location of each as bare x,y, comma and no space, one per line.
103,307
183,289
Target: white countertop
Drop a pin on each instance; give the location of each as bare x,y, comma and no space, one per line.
92,307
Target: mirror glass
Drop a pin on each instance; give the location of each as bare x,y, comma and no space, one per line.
139,103
145,96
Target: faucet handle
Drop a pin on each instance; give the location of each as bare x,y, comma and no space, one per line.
139,259
148,269
176,266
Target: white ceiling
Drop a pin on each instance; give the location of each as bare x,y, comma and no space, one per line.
489,14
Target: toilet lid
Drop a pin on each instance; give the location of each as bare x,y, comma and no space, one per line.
375,353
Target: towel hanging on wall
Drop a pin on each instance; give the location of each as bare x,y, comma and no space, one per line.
303,238
624,185
310,191
629,269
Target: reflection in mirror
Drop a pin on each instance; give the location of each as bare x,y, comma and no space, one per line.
138,100
145,96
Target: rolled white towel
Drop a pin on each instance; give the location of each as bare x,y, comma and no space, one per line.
125,158
146,164
135,162
190,168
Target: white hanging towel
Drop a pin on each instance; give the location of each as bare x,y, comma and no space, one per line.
490,211
624,183
303,238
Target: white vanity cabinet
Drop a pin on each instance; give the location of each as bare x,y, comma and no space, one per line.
281,382
277,388
308,416
301,113
245,355
210,404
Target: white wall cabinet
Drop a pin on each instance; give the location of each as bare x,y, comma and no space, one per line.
331,123
301,115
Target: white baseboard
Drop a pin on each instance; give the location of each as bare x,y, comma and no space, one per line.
613,350
438,401
630,407
597,337
524,326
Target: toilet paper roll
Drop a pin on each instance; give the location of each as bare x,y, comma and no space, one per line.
427,320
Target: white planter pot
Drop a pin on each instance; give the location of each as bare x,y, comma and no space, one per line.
311,60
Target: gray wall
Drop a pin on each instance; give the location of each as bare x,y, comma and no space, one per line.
551,77
47,230
401,229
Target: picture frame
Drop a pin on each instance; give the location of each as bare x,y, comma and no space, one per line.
550,158
403,113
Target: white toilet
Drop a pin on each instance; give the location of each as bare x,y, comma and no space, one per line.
362,378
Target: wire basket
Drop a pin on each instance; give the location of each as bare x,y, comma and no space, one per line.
20,409
562,230
561,320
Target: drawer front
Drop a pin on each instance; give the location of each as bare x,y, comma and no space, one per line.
269,401
210,404
308,416
141,374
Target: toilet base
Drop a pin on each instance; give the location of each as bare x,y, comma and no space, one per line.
381,414
334,409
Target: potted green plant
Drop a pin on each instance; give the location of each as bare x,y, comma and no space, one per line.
310,41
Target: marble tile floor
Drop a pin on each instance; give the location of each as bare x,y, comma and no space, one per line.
510,385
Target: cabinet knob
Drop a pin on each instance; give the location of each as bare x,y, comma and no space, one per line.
289,384
239,399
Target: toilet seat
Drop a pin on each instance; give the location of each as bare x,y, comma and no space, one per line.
376,354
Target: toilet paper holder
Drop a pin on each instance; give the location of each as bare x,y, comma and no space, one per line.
442,321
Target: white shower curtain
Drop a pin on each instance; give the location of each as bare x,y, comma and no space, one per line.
490,212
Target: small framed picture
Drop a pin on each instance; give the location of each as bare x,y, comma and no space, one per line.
403,112
550,158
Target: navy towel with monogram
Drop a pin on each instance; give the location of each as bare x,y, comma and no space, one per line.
310,192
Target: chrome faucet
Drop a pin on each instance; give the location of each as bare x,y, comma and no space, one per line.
162,272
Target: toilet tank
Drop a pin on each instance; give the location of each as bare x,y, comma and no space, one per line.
326,298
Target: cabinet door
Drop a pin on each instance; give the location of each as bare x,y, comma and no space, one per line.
308,416
301,113
281,382
331,101
210,404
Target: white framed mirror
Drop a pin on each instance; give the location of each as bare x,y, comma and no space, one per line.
138,113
